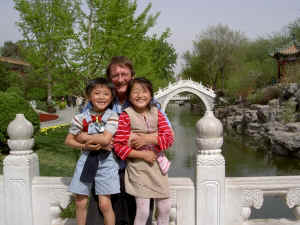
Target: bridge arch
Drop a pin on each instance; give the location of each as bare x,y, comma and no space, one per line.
206,94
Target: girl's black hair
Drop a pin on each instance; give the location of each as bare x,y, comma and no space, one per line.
145,83
91,84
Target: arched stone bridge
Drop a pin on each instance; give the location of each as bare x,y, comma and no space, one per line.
207,95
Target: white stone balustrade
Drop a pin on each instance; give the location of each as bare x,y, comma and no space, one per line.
211,199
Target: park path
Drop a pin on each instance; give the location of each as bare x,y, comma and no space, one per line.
64,116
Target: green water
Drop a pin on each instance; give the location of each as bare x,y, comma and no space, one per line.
241,161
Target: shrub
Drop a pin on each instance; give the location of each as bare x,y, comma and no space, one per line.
15,90
264,96
11,104
42,105
62,105
36,93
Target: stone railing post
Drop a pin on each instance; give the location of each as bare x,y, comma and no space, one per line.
210,171
20,166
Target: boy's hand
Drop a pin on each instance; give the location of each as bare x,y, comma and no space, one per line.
90,146
149,156
108,147
83,137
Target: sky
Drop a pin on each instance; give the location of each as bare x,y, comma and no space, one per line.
188,18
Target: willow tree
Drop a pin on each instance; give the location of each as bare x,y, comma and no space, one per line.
48,28
213,55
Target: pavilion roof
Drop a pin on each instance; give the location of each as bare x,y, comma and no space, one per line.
13,61
291,49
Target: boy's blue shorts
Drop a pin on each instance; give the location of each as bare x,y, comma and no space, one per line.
107,180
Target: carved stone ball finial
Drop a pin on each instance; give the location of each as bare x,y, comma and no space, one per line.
209,133
20,132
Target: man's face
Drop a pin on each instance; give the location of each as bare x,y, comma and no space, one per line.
120,77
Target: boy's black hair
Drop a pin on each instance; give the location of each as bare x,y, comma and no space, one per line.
145,83
91,84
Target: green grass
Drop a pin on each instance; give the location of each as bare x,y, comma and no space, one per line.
56,159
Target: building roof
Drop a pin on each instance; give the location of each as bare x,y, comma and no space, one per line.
291,49
13,61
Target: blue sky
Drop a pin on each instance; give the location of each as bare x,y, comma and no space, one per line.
189,18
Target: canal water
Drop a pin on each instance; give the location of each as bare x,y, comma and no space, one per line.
241,160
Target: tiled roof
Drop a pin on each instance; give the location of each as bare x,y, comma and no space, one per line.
292,49
13,61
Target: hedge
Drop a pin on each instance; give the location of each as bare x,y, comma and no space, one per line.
11,103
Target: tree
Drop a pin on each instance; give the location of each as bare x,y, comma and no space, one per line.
47,26
293,29
11,49
112,27
67,44
213,53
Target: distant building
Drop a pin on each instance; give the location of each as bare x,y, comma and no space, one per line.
288,60
16,65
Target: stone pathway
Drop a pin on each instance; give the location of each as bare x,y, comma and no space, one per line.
64,116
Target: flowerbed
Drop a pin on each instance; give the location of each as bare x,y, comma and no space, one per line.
45,130
47,117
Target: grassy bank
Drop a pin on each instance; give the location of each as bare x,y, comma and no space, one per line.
55,158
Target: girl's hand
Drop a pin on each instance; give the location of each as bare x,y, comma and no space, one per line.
140,139
149,156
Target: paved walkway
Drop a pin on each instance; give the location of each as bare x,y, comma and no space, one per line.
64,116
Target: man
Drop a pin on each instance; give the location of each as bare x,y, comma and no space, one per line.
120,72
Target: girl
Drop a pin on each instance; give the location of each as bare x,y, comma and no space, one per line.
95,163
144,178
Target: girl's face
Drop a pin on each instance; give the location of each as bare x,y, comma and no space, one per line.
100,97
140,97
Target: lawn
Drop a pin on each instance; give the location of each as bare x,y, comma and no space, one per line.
56,159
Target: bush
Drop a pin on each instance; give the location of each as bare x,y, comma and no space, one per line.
62,105
11,104
15,90
36,93
264,96
42,105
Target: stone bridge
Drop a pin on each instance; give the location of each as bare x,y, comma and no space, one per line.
207,95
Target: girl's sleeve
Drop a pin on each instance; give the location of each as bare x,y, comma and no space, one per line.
165,135
121,137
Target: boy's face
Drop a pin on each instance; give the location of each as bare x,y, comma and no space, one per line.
100,97
120,76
